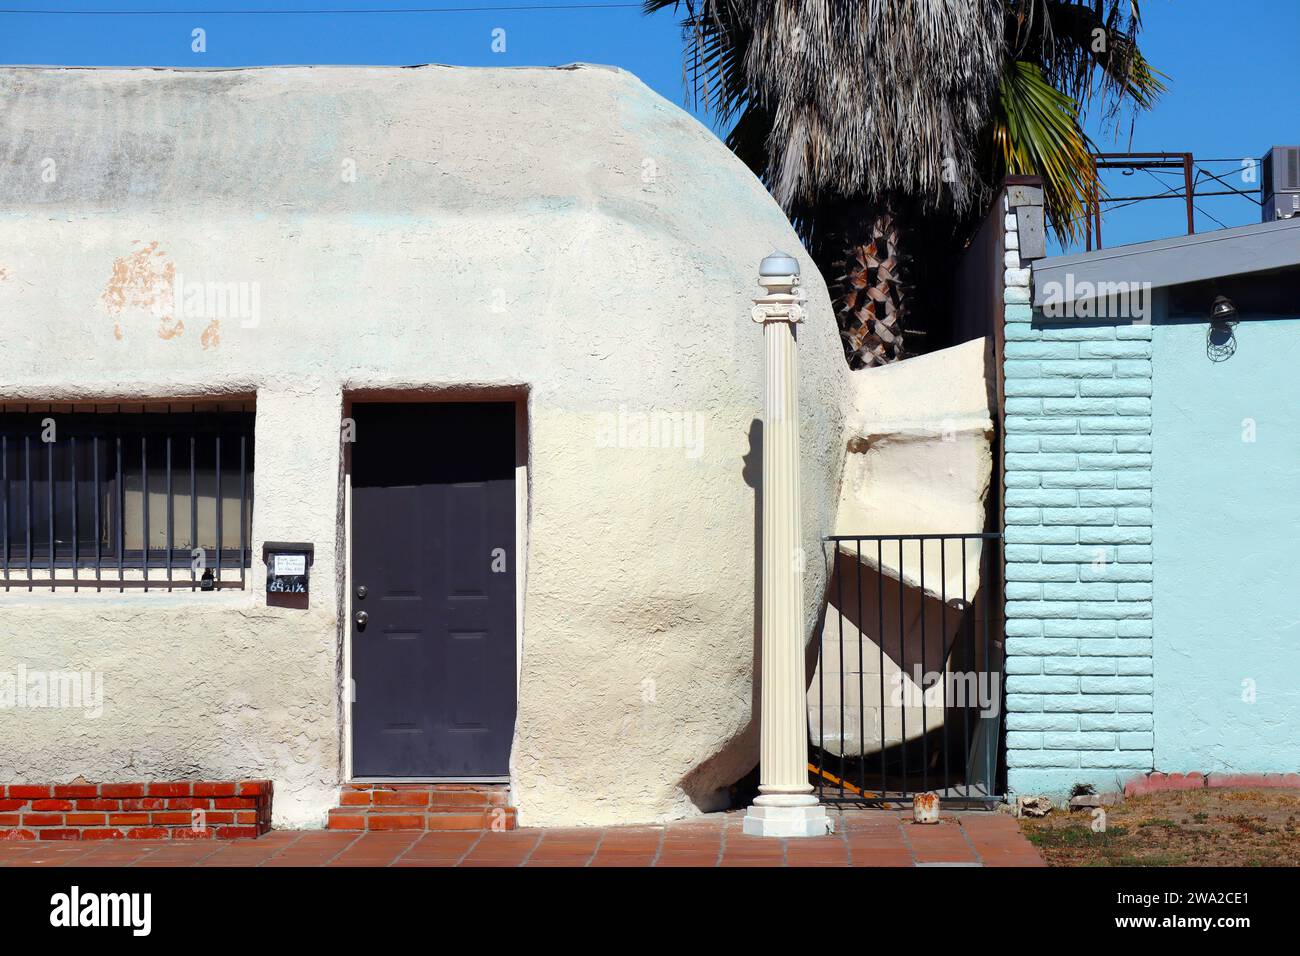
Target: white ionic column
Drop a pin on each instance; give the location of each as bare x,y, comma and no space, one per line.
785,806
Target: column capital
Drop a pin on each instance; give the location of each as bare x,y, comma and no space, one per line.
780,302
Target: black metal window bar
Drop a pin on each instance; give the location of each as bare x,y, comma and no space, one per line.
115,499
927,608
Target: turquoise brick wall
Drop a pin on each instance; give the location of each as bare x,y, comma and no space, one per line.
1077,447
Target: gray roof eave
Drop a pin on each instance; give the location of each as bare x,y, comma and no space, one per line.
1170,262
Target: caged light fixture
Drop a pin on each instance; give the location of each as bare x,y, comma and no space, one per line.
1220,340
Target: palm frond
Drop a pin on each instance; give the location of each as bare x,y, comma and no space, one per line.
865,99
1036,130
1088,49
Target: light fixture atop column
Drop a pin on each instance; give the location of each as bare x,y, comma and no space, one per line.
779,264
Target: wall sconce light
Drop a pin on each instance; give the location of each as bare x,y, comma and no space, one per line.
1223,309
1220,340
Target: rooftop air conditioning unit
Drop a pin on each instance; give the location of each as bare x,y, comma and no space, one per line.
1281,187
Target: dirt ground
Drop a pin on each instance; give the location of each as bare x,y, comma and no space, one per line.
1205,827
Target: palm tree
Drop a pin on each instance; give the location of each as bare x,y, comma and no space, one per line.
901,151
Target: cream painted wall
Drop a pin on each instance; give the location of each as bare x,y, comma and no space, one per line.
561,231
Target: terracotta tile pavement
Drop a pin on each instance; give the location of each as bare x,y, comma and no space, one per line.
861,838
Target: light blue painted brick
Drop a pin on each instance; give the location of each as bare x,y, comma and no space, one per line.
1115,462
1019,425
1134,592
1028,629
1015,295
1114,760
1024,740
1133,368
1041,387
1115,685
1132,406
1023,406
1026,590
1115,387
1078,704
1137,628
1114,610
1079,741
1076,554
1022,369
1042,759
1079,406
1023,552
1080,333
1076,368
1041,722
1115,350
1076,443
1023,516
1134,554
1114,425
1022,479
1129,497
1137,740
1022,665
1042,572
1133,516
1040,350
1022,332
1133,443
1039,498
1100,479
1134,704
1041,647
1115,647
1113,571
1082,629
1115,536
1027,443
1023,534
1114,722
1093,666
1041,462
1138,478
1133,333
1095,591
1079,517
1129,666
1025,703
1041,609
1019,313
1030,684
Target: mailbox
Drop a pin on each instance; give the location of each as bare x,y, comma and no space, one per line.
288,571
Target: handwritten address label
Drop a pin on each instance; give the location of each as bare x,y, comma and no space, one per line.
289,565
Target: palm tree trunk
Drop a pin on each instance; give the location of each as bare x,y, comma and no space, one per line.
867,287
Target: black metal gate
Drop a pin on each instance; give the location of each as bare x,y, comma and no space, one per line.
907,693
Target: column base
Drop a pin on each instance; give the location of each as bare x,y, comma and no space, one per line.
802,821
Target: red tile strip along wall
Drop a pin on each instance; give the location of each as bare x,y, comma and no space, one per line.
180,810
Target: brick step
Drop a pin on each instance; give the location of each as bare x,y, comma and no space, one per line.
423,806
419,819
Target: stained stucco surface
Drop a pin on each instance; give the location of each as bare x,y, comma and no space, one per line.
561,234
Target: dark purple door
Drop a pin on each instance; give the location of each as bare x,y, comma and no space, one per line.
433,589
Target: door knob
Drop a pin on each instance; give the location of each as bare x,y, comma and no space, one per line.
361,618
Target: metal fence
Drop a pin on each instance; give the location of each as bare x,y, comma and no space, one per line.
78,492
907,694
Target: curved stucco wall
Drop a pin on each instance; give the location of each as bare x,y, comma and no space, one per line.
563,234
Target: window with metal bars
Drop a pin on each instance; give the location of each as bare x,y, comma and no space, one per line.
123,497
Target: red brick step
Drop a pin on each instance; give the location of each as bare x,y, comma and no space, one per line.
423,806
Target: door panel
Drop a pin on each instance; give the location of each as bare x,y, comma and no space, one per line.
433,499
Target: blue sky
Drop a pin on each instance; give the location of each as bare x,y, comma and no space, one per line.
1231,65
